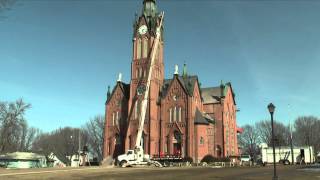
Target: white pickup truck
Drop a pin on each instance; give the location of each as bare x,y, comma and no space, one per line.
132,158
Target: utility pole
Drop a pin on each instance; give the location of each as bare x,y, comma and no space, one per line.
291,144
79,147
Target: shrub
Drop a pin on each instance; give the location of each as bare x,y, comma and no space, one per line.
209,159
188,159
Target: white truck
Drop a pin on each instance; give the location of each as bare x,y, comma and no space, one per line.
301,154
137,156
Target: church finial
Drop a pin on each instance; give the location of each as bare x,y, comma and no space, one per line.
184,71
108,93
120,77
221,83
221,89
176,69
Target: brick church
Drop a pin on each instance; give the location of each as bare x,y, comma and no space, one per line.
182,117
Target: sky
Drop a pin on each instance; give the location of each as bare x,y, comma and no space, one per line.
61,55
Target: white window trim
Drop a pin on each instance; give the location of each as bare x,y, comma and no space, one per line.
113,116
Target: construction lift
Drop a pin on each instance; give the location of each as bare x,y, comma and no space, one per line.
285,160
137,156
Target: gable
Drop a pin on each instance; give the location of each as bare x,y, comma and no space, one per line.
196,92
188,84
175,88
229,92
121,90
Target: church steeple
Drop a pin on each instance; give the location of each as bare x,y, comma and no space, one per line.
150,8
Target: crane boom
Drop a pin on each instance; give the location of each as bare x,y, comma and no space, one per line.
146,95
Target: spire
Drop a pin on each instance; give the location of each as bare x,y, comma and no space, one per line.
108,93
150,8
184,71
222,88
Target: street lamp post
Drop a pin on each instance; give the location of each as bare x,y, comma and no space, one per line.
271,109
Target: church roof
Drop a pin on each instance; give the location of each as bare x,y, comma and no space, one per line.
202,118
188,83
214,94
211,94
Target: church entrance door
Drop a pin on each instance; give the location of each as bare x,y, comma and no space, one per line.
177,143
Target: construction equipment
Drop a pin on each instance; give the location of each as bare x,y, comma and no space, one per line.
285,160
137,156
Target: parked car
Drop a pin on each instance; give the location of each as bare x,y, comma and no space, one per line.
245,158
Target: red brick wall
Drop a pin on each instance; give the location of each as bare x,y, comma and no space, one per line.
231,146
117,103
225,126
201,142
167,127
215,111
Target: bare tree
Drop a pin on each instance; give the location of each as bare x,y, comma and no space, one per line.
307,130
12,125
62,142
281,132
249,140
30,138
95,129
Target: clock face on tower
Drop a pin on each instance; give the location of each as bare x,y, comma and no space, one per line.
143,29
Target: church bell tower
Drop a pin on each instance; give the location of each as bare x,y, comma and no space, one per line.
144,34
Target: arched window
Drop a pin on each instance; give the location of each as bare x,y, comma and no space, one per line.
136,109
140,72
139,108
158,54
137,73
117,119
145,48
201,140
139,49
170,114
175,114
117,139
179,114
130,142
113,119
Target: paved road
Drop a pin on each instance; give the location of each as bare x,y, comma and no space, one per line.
195,173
